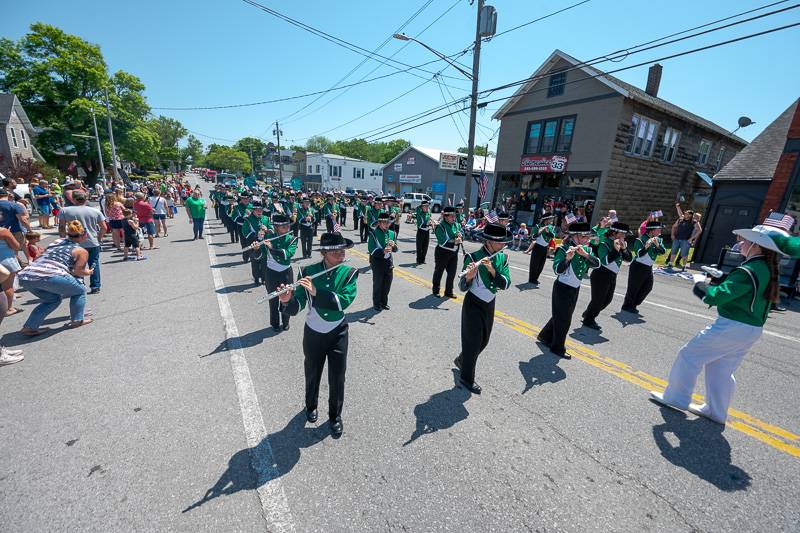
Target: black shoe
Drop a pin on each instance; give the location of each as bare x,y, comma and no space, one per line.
436,293
95,290
534,283
257,282
276,328
630,310
286,327
336,428
377,308
311,415
540,339
386,307
562,352
449,295
593,325
457,362
472,387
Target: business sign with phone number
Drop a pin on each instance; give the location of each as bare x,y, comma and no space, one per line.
543,163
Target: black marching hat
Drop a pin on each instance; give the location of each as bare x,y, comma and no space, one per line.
496,233
579,228
653,225
256,203
244,194
547,216
383,216
424,202
279,219
503,214
619,227
334,241
448,210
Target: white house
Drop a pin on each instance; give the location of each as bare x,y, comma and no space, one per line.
337,172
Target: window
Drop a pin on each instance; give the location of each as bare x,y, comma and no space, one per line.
14,137
643,134
720,156
565,135
358,173
703,151
309,169
671,137
550,135
556,84
24,140
318,169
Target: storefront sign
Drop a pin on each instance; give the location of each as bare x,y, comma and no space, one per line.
410,160
398,167
410,178
389,178
543,163
438,186
448,161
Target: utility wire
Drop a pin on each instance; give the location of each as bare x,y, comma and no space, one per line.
452,117
536,20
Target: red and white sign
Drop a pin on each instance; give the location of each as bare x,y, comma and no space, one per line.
410,178
543,163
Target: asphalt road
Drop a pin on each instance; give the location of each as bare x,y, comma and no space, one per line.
150,419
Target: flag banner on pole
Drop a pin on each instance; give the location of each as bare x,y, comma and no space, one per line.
483,184
491,217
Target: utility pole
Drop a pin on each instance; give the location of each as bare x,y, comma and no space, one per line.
278,132
252,161
473,106
99,150
111,138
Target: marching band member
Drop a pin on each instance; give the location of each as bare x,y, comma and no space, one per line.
544,232
448,239
237,212
640,276
342,211
571,263
485,271
276,258
382,242
225,204
461,219
743,299
305,217
363,227
329,212
325,335
256,221
423,218
611,251
373,211
395,215
358,206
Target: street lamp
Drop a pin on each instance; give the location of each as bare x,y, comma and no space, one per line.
485,27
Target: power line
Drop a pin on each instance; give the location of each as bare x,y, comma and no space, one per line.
337,40
537,20
446,102
599,74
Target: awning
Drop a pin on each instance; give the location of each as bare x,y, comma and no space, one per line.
705,177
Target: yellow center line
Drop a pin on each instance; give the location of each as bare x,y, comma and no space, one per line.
777,437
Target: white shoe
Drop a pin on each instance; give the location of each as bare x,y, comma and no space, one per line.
7,358
9,351
702,410
659,397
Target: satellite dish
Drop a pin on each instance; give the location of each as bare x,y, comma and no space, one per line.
745,121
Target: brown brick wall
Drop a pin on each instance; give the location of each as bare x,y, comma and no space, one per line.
635,186
779,184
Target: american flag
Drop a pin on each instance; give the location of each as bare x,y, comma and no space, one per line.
780,220
482,185
570,218
491,217
337,228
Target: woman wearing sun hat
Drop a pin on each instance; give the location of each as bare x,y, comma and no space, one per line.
486,271
743,299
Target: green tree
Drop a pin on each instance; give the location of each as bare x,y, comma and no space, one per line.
479,150
169,132
319,144
252,146
192,153
226,158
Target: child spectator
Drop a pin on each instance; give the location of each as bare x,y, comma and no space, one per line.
34,250
131,229
520,236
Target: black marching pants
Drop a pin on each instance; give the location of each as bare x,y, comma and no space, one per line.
538,259
343,217
477,319
355,221
329,222
216,210
445,260
331,346
640,283
306,239
563,301
234,230
295,228
396,229
423,238
362,231
245,242
382,275
603,284
257,268
273,279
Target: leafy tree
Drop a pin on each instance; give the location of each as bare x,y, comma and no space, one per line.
226,158
193,152
254,146
169,132
479,150
319,144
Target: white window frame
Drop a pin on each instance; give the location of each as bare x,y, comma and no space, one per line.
22,136
14,137
702,155
720,155
671,141
643,131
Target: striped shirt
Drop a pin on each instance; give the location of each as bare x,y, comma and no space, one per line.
56,260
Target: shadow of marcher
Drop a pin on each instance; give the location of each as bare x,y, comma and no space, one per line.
588,336
540,370
441,411
409,265
522,287
245,341
241,287
363,316
702,450
273,457
627,319
428,302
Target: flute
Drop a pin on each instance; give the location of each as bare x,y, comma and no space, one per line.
464,272
296,284
256,244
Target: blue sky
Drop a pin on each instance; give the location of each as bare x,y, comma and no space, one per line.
219,52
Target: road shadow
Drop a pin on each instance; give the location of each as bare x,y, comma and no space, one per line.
363,316
702,450
239,253
409,265
245,341
243,287
627,319
184,240
441,411
588,336
540,370
15,338
522,287
429,302
273,457
229,264
408,251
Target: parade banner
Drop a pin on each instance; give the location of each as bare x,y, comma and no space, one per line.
543,163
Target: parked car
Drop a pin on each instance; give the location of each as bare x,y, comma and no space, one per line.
411,201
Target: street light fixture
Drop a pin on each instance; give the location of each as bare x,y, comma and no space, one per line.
404,37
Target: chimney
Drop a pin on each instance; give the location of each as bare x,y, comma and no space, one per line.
653,80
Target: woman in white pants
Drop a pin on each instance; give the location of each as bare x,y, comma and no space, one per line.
743,299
